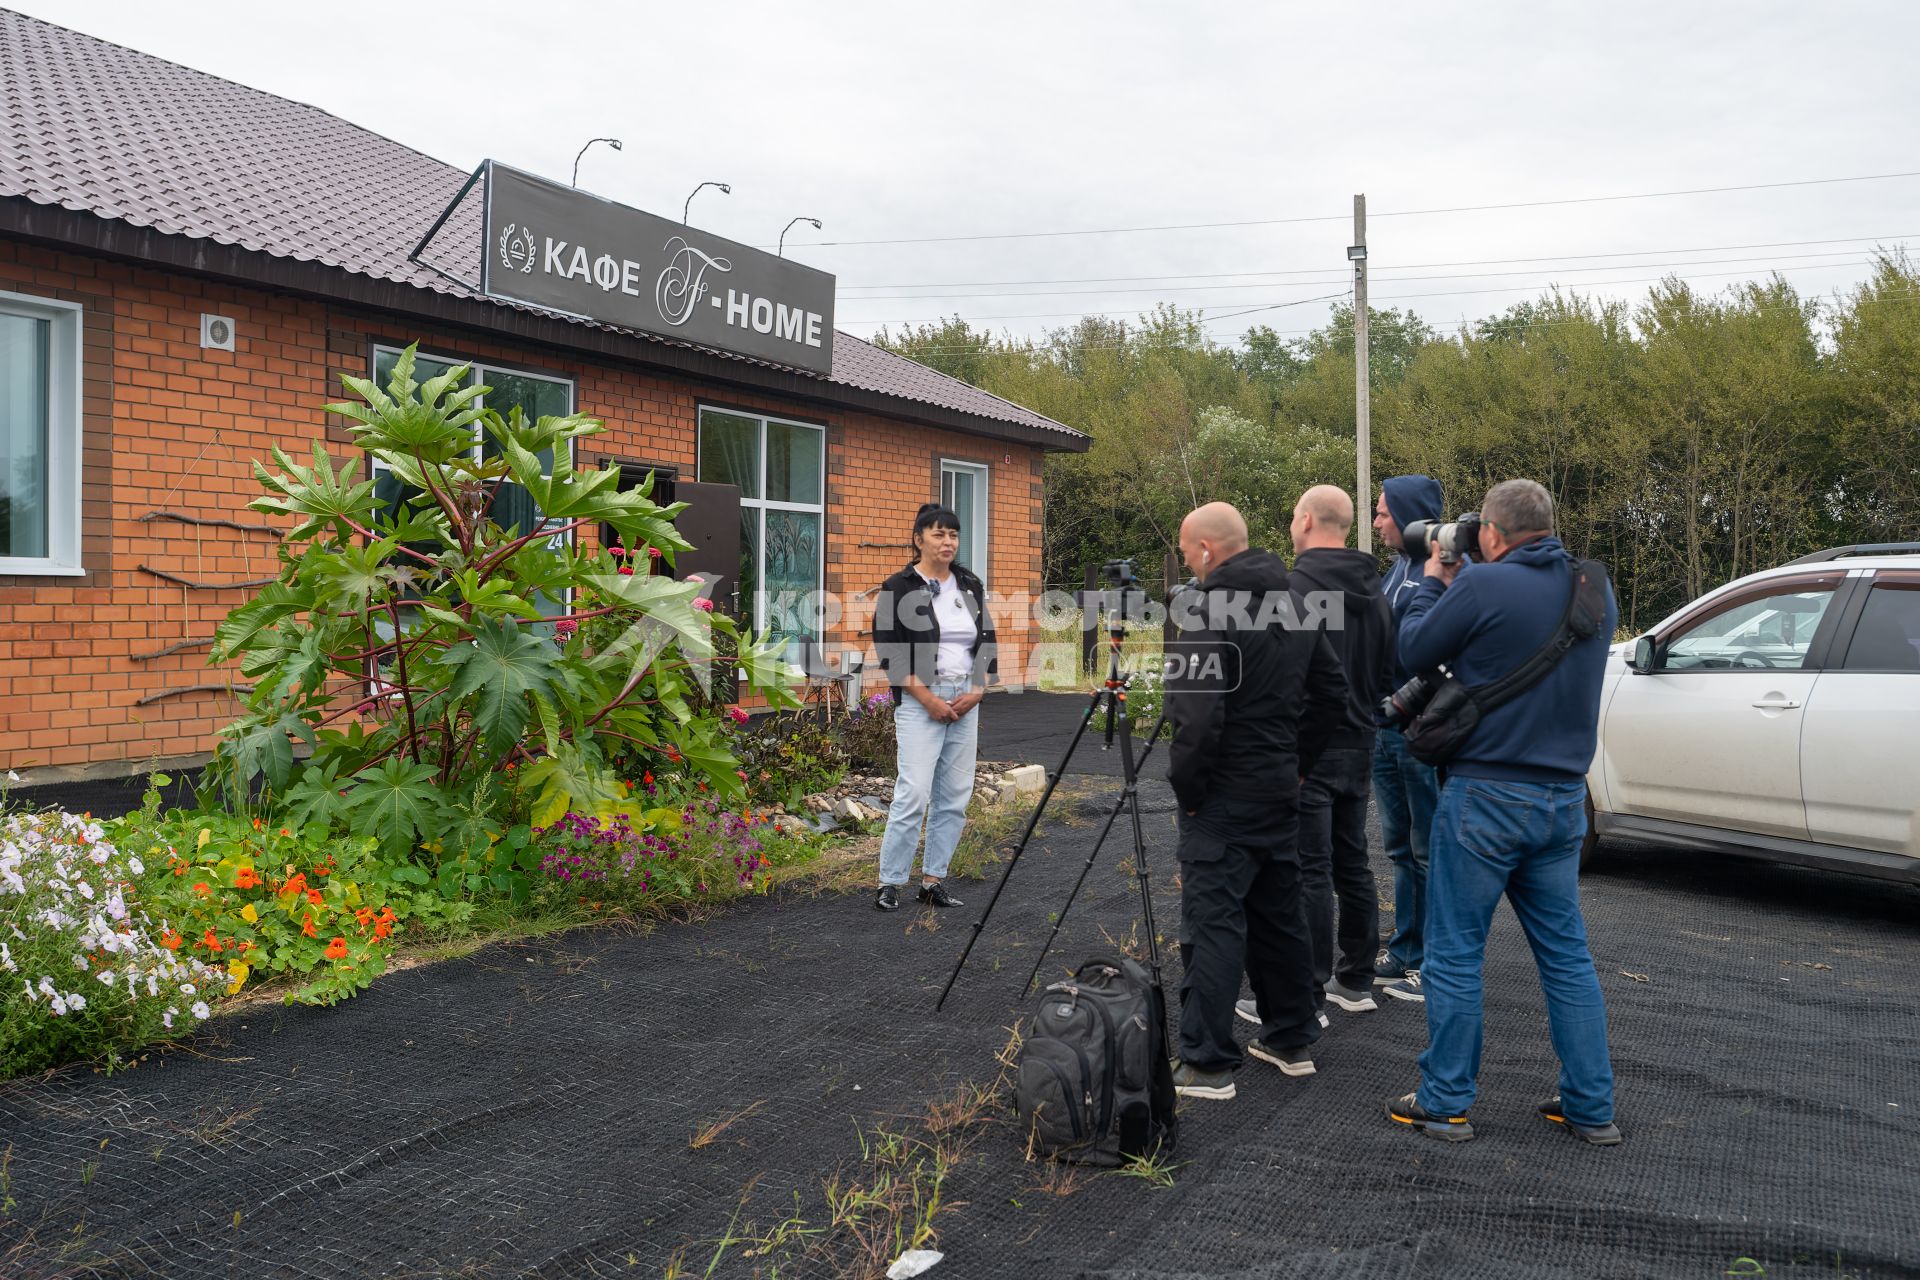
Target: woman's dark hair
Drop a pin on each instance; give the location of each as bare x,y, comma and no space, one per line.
933,515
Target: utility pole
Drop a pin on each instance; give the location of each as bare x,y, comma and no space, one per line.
1362,401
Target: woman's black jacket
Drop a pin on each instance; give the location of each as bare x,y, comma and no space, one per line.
906,629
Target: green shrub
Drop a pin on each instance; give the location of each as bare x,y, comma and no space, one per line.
868,734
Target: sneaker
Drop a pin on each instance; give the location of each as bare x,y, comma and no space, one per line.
1408,1111
1249,1011
889,898
1408,988
1191,1082
1600,1135
1295,1062
1385,971
936,895
1347,998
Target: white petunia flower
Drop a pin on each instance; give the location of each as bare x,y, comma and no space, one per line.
76,1001
201,1011
105,976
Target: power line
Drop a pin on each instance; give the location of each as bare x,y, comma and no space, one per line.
1340,276
1407,266
1443,293
1341,217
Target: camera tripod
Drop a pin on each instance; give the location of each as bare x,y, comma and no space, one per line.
1110,697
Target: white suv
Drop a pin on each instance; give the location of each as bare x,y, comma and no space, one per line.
1777,717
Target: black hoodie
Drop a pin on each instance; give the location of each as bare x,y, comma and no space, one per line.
1255,699
1361,631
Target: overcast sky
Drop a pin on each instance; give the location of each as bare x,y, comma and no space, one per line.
892,122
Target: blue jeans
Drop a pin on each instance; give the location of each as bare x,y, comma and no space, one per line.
1406,792
1521,839
935,783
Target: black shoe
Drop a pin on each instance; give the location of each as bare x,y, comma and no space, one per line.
1385,971
1408,988
1247,1011
1408,1111
1600,1135
1353,1001
936,895
1191,1082
889,899
1295,1061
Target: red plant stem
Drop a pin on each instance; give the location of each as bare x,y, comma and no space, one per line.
400,661
512,548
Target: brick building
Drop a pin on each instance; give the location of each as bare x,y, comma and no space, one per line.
187,266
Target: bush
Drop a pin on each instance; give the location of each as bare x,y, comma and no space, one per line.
91,970
700,852
867,733
786,757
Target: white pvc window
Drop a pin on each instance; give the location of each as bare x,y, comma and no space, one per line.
39,436
963,488
780,468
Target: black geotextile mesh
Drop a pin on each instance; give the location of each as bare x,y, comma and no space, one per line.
527,1111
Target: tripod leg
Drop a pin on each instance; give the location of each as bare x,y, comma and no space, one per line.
1140,866
1033,820
1112,815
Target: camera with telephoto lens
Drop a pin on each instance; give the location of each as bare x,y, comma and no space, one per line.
1403,704
1121,573
1457,538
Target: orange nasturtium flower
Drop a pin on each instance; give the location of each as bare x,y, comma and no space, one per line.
363,916
313,896
337,949
306,924
296,884
210,942
171,940
245,878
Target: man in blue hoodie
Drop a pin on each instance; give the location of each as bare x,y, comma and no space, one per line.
1511,816
1404,789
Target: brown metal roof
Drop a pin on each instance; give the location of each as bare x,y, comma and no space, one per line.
95,129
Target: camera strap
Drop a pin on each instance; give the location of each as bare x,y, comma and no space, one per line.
1586,611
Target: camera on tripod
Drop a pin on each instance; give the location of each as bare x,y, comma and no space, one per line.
1457,538
1123,574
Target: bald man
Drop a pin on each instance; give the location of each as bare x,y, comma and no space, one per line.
1253,700
1333,799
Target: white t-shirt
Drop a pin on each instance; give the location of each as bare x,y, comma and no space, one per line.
954,660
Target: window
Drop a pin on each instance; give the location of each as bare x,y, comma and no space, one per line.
534,394
1769,631
39,436
780,469
1888,635
963,487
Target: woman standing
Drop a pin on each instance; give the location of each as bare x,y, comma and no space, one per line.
934,639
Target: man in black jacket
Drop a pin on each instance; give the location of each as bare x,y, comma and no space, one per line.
1254,699
1333,799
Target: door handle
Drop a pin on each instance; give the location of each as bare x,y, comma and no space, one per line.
1776,704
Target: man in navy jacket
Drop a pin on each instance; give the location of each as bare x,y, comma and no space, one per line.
1511,815
1404,789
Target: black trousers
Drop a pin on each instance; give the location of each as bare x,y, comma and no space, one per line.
1241,911
1334,867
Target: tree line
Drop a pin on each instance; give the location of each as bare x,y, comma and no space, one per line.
1688,439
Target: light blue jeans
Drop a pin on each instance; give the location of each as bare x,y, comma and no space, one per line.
1521,840
935,784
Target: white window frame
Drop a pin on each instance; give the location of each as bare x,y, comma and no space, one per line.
981,472
65,424
762,504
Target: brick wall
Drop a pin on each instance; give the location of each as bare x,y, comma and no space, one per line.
86,675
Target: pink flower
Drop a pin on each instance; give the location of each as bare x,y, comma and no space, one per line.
564,627
739,716
654,552
703,604
617,552
626,570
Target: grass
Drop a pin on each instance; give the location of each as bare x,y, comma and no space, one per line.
1155,1170
709,1135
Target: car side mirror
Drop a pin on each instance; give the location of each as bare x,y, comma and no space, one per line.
1643,657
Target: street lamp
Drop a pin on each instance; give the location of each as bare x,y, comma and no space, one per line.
724,190
612,142
814,222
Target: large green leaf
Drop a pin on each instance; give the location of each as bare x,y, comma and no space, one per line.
316,799
263,744
498,668
318,496
397,803
567,779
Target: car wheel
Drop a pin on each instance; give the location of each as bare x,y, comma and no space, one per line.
1592,839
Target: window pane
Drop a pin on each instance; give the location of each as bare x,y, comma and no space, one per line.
793,462
792,571
24,356
424,367
961,488
1888,636
749,584
1768,632
730,451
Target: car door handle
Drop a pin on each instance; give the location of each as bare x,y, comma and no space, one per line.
1776,704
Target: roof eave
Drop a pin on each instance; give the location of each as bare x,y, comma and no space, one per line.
78,231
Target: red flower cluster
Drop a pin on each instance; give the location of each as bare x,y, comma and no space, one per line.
564,627
738,716
703,604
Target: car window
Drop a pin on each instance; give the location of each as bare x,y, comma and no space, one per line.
1888,635
1773,631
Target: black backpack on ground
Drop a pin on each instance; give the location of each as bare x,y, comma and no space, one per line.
1095,1085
